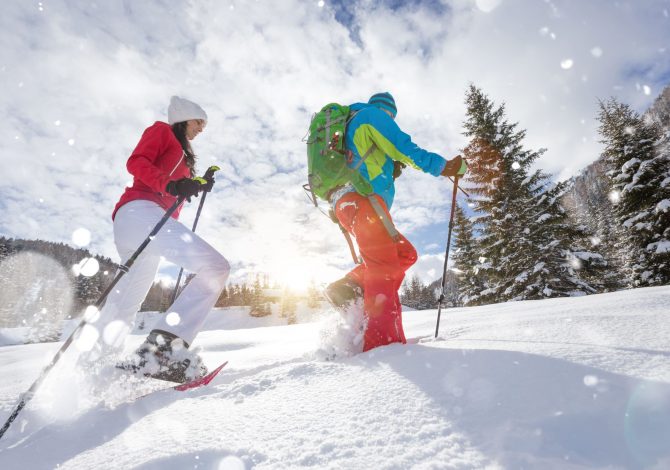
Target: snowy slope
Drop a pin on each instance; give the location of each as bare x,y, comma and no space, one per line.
553,384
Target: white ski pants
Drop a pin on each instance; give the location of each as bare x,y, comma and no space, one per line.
175,243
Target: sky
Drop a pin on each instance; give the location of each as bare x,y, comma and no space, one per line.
82,80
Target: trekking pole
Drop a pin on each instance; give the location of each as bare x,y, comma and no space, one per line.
208,175
459,188
446,256
123,269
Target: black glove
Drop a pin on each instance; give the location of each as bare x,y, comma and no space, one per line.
205,188
185,187
397,169
457,166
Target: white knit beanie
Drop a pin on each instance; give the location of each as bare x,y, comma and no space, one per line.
181,110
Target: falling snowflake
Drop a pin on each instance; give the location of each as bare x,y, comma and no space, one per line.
70,142
87,338
173,319
86,267
231,462
575,263
487,5
614,197
596,52
81,237
567,64
92,314
516,166
590,380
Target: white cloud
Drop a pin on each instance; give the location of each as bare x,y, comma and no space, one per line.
97,74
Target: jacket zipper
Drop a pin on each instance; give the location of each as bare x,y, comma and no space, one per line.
183,154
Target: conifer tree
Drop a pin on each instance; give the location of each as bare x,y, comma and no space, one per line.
589,206
639,172
313,296
256,303
466,259
523,250
427,298
411,293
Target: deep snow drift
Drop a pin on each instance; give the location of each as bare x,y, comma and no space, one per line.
562,383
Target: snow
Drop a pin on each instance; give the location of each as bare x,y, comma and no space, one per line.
567,383
659,247
626,166
587,255
632,220
663,206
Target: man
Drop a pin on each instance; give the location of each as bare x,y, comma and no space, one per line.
378,151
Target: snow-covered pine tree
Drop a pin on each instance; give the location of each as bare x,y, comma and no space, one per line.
288,306
588,205
256,303
411,292
466,259
427,297
639,170
313,296
223,299
565,265
524,248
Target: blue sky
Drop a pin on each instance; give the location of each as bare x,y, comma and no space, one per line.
82,80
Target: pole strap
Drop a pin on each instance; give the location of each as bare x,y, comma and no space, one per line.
356,259
386,220
365,156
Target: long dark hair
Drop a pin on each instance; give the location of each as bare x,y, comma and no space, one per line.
179,129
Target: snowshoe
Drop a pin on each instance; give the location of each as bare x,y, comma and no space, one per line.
165,356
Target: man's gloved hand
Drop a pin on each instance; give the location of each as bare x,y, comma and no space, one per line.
397,169
185,187
457,166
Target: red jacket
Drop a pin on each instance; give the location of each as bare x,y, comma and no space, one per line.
157,159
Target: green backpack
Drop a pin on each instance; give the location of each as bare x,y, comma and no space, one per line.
327,155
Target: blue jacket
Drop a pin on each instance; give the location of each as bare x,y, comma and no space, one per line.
372,125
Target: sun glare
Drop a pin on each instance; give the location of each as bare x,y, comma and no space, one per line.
285,259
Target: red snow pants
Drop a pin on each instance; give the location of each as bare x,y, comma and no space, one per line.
385,261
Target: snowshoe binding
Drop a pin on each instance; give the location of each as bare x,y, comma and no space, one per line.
165,356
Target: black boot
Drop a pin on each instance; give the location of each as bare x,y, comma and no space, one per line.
165,356
343,293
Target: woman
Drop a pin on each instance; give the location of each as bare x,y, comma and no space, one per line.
163,165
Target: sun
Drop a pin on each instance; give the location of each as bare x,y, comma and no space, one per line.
284,258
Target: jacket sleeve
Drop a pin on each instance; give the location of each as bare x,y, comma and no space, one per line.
141,163
385,133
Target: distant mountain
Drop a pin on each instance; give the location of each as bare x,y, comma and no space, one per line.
660,110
